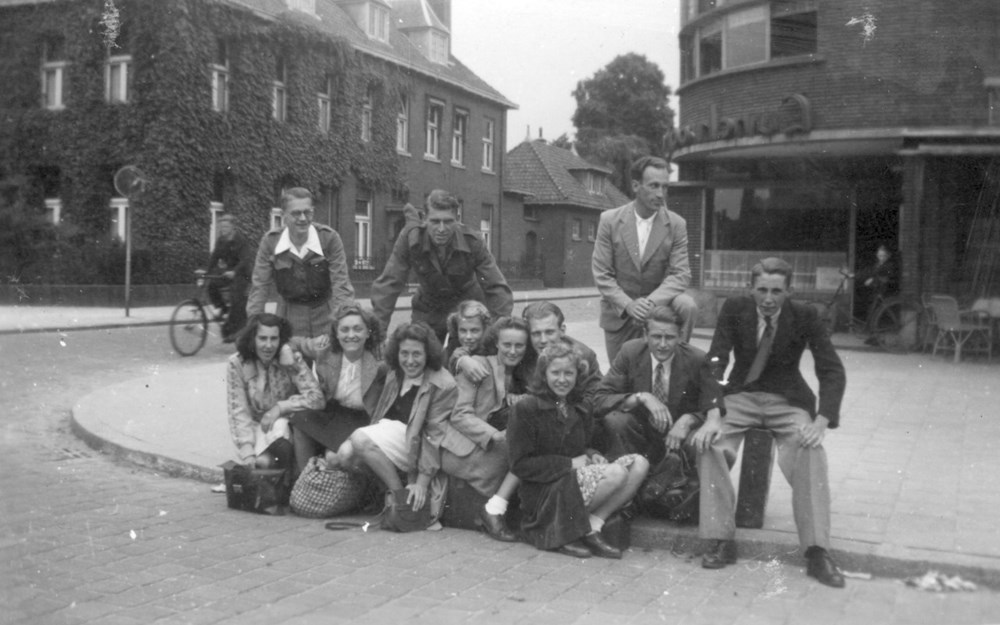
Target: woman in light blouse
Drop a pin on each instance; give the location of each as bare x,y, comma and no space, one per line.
351,374
266,384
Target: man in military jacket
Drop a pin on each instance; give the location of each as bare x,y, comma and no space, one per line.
451,263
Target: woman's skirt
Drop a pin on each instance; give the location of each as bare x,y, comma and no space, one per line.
590,476
331,426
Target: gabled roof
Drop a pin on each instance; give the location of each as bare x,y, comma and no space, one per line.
332,19
543,172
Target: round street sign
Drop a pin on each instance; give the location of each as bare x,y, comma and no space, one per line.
129,179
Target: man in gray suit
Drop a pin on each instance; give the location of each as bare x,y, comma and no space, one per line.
641,259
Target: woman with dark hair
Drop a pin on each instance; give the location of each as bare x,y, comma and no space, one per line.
266,384
407,425
475,442
351,375
567,491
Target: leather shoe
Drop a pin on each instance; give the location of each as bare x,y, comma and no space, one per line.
822,567
719,554
495,527
600,547
575,549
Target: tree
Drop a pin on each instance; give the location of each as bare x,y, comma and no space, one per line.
622,112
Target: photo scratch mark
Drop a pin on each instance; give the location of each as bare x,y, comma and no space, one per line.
867,21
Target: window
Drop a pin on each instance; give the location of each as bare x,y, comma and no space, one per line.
577,229
119,214
279,98
439,48
595,183
306,6
328,205
458,131
489,135
591,231
277,218
783,28
323,103
220,78
214,210
363,230
378,22
403,125
486,225
53,74
53,210
435,111
116,78
367,110
531,213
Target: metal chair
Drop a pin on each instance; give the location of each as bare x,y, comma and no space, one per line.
955,328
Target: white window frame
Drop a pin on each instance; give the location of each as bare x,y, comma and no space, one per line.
306,6
363,231
591,231
53,100
486,225
378,22
432,136
220,81
489,140
277,218
279,94
459,130
116,86
53,210
323,104
214,210
367,113
439,52
403,125
576,229
119,213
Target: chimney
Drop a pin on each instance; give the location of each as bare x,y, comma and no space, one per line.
442,8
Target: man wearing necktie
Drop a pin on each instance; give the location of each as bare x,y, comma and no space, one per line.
767,333
656,393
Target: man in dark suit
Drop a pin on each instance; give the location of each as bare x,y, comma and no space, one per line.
656,393
767,333
640,259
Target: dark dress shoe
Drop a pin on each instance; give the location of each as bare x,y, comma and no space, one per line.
575,549
719,554
495,527
822,567
600,547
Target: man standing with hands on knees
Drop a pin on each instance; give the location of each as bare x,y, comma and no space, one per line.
767,333
640,259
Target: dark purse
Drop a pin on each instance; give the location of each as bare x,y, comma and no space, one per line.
671,489
400,516
264,491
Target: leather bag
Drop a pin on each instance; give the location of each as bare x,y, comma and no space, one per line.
264,491
400,516
671,489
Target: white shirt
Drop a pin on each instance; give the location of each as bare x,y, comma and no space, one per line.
348,393
762,325
312,244
643,228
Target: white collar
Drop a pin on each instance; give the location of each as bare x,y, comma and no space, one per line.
312,243
409,383
666,363
646,220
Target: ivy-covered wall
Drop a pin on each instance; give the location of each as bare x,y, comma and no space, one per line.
169,130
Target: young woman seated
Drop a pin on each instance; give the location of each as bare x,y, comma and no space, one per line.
567,491
351,374
467,328
474,447
408,422
266,385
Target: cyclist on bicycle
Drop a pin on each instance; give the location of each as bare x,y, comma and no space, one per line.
232,258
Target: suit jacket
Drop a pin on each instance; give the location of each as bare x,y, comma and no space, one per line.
425,428
467,428
798,327
693,387
328,364
621,276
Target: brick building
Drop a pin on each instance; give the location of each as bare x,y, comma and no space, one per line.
816,129
223,103
552,202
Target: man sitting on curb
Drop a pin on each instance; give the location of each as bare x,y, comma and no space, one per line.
656,393
767,333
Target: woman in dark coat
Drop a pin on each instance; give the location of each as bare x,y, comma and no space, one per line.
567,490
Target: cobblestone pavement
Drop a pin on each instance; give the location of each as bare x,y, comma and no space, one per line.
86,540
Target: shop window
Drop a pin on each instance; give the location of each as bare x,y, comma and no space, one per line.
458,130
220,78
793,28
489,139
403,125
53,73
435,112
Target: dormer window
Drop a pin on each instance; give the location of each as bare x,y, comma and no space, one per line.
378,22
439,48
306,6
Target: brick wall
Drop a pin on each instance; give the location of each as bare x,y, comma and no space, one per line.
688,202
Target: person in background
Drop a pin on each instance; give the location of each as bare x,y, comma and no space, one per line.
232,258
466,328
547,324
567,490
306,263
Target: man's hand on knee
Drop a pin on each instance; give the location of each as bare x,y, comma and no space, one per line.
813,433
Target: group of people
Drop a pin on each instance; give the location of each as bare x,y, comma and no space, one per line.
511,404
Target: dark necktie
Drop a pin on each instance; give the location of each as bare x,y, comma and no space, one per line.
659,388
763,351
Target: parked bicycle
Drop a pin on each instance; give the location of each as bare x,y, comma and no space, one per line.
895,323
190,320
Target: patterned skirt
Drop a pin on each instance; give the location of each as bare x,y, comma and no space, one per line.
590,476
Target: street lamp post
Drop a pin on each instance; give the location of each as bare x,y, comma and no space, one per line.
130,181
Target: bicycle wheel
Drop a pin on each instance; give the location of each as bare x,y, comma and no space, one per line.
188,327
897,325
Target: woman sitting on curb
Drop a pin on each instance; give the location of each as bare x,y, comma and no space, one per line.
567,491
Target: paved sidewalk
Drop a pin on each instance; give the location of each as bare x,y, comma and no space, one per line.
914,470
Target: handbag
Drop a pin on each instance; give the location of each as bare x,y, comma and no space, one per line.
671,490
264,491
321,491
400,516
